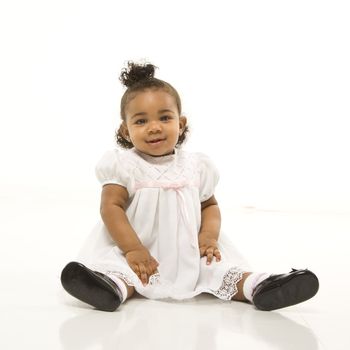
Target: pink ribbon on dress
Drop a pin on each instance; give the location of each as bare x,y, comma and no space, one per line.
166,185
177,187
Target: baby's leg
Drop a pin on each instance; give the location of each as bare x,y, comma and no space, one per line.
126,290
239,296
130,290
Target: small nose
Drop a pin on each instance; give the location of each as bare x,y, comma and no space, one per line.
154,126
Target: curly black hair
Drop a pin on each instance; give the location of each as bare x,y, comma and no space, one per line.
140,77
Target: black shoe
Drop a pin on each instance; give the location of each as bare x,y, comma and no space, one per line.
284,290
91,287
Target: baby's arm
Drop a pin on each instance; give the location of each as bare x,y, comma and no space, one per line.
210,229
113,202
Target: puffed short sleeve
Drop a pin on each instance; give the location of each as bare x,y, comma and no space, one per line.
110,169
209,177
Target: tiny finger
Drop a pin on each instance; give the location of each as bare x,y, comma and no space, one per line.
209,258
154,264
144,279
143,274
136,269
217,255
149,269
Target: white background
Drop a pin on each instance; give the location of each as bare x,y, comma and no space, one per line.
264,84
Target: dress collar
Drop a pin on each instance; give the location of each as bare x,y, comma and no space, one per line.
156,159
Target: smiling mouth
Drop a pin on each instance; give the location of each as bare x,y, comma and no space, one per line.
155,141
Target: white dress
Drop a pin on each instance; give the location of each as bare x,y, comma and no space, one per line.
164,209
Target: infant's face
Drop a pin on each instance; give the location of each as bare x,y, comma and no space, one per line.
153,122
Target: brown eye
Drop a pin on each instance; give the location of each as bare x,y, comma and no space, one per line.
140,121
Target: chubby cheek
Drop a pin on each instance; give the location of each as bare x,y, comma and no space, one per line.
137,136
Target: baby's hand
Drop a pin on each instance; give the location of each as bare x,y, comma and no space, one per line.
142,263
208,247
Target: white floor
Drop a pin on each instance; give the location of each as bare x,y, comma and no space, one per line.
41,231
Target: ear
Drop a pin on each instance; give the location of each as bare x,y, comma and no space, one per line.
124,131
182,124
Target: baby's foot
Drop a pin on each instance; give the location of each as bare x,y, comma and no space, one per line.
91,287
284,290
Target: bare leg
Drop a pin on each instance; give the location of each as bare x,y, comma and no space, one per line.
239,295
130,290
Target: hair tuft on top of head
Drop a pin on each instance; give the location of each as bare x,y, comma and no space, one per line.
135,73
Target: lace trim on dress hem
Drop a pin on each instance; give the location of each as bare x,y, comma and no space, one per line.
122,276
154,279
229,284
226,291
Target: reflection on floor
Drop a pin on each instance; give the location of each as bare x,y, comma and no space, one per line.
37,314
203,323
